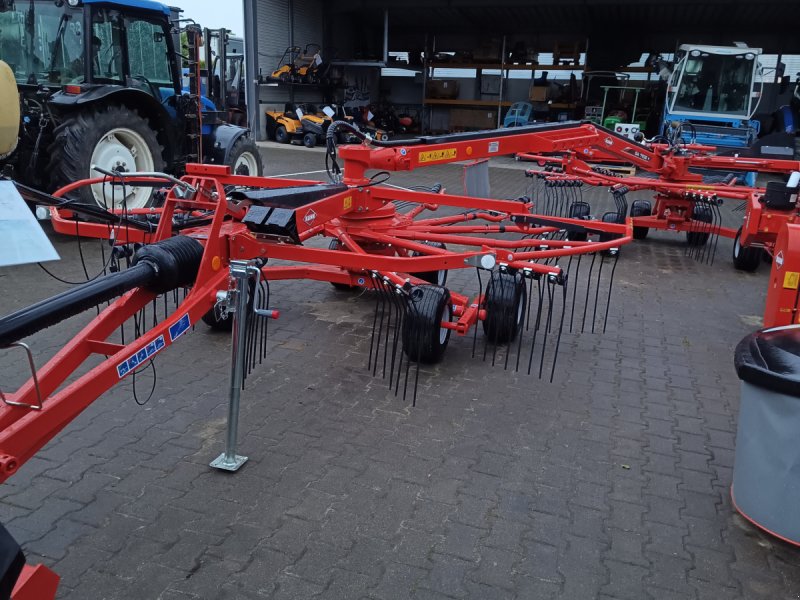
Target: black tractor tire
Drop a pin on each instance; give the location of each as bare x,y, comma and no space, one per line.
281,135
745,259
246,153
342,287
578,210
76,138
424,338
641,208
699,238
309,140
506,299
434,277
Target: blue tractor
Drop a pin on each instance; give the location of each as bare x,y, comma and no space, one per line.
712,94
100,85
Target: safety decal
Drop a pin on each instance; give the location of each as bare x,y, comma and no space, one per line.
178,329
791,281
310,217
140,356
437,155
348,203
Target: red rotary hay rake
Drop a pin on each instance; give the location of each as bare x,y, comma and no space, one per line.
210,251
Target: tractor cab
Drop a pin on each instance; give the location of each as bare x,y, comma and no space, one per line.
713,94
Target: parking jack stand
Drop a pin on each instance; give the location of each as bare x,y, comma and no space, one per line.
236,297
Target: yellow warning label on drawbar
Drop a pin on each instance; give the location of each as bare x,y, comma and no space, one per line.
791,281
348,203
437,155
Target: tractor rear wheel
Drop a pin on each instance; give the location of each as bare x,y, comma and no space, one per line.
116,138
281,135
245,158
506,298
424,338
745,259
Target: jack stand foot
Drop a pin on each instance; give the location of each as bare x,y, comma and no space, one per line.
223,464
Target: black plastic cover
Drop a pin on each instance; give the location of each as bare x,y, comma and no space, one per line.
771,359
289,197
11,562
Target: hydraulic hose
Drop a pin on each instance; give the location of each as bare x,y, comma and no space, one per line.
158,267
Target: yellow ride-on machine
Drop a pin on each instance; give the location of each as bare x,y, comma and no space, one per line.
284,127
300,65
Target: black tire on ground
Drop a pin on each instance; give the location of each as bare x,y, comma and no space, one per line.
745,259
578,210
309,140
281,135
699,238
506,299
343,287
435,277
641,208
75,141
424,338
246,157
216,322
610,217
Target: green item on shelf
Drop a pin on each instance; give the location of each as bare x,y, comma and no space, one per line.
609,122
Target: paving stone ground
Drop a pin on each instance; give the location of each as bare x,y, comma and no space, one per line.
610,482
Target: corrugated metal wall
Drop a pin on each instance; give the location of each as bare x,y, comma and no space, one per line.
274,37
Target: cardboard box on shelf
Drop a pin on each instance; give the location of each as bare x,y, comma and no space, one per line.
472,118
538,93
443,89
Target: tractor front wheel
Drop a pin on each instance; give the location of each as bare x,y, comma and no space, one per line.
116,138
310,140
245,158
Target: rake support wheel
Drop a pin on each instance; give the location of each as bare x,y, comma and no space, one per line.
745,259
424,338
435,277
506,298
641,208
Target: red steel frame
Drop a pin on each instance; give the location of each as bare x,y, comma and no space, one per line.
676,184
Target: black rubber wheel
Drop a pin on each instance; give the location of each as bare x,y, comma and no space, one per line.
506,299
91,136
216,322
281,135
435,277
343,287
699,238
610,217
578,210
745,259
245,158
309,140
424,338
641,208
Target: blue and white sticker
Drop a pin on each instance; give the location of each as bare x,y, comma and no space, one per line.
361,281
140,356
179,328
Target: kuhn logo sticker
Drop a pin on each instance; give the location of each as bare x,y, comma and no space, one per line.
310,217
779,259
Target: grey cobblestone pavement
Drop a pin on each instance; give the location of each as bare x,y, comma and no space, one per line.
610,482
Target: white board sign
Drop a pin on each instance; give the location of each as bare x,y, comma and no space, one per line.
22,239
